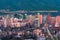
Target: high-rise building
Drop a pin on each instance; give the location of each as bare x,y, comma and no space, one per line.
53,21
11,20
1,20
5,22
57,19
44,18
48,19
29,17
40,18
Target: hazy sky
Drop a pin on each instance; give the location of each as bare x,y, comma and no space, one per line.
30,4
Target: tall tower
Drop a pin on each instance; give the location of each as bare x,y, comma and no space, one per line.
38,19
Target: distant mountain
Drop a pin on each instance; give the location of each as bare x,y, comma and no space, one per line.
30,4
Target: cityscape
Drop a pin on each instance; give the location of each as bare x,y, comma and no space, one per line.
29,19
23,26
